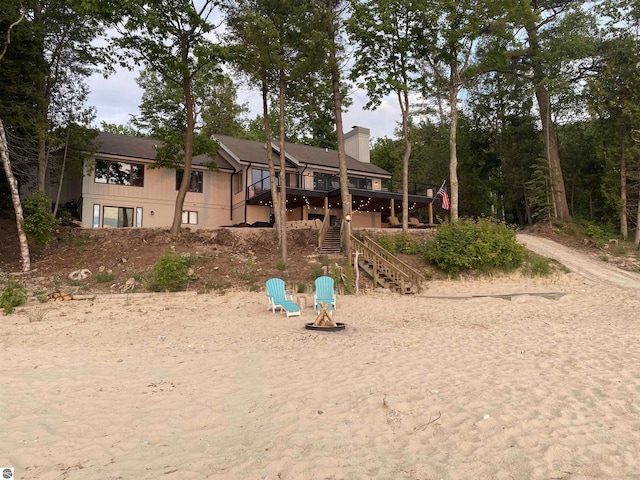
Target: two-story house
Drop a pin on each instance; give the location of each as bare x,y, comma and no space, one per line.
121,189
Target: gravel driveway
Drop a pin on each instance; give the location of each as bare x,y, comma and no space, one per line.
594,270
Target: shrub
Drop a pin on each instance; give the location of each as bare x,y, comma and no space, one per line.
407,244
316,271
536,265
467,245
349,281
171,272
13,295
103,277
387,242
39,222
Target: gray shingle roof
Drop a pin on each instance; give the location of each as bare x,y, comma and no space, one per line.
143,148
255,152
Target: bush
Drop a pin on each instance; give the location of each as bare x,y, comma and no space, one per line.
387,242
39,222
13,295
467,245
407,244
171,272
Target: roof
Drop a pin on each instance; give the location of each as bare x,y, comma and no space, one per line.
256,153
143,148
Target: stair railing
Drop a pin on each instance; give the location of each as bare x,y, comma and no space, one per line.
323,230
415,276
382,266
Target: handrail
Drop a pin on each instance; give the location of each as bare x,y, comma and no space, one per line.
382,264
323,230
392,258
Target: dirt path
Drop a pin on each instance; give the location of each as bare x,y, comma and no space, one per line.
594,270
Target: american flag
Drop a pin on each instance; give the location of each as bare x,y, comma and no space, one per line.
445,196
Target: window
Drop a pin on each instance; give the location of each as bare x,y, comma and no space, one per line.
196,180
359,182
96,215
238,184
119,173
325,182
139,217
190,218
260,181
117,217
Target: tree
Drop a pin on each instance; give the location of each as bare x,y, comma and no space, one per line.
548,43
55,51
329,30
6,164
448,32
386,63
172,39
615,98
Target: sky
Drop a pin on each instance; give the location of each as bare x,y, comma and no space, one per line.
117,98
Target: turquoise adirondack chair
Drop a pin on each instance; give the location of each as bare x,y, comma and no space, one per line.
325,293
279,298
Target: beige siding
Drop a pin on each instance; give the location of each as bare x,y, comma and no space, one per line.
157,198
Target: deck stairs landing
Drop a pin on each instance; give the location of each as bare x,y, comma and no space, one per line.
387,270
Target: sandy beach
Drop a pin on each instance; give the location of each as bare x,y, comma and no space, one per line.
447,384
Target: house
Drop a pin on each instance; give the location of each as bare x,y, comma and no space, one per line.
120,187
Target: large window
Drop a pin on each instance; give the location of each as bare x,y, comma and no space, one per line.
195,185
359,182
119,173
117,217
260,181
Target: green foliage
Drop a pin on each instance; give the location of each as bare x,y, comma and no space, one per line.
407,244
39,222
404,243
13,295
254,287
316,271
467,245
280,265
302,288
349,281
536,265
247,272
171,272
104,277
335,272
387,242
596,232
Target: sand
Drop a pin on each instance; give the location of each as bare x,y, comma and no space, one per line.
448,384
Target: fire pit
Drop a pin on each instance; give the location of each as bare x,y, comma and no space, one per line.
324,322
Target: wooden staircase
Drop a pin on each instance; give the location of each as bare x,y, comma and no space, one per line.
386,270
331,241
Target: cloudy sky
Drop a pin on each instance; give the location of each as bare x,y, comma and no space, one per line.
118,97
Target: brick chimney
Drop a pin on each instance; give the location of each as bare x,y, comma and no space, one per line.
356,144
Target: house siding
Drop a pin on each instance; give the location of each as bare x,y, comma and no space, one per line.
158,196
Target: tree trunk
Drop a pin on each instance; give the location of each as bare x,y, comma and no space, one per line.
403,100
453,147
624,225
283,175
275,199
15,198
188,153
637,237
64,162
337,108
558,193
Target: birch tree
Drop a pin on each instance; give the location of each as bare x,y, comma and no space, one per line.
6,164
